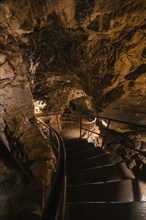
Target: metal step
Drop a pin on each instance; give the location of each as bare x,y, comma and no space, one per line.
106,211
115,191
84,154
100,190
79,148
73,142
100,160
98,174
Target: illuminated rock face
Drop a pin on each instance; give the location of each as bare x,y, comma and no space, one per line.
98,45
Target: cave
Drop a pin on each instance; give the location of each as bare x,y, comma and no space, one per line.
73,110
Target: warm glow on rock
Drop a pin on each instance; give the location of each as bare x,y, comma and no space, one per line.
39,106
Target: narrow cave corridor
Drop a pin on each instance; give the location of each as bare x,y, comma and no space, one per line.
72,109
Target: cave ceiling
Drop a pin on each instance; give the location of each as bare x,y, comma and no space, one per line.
74,48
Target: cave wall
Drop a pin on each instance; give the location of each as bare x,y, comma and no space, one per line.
99,46
90,47
17,121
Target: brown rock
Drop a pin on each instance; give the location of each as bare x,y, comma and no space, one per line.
2,58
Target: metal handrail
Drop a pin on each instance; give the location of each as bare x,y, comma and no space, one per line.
89,123
97,117
55,206
109,120
107,127
120,121
80,116
104,136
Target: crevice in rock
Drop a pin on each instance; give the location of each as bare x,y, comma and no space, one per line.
84,9
136,73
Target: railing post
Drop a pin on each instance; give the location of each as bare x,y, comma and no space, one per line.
105,133
80,126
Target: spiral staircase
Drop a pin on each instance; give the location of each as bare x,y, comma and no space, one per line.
95,186
88,183
100,189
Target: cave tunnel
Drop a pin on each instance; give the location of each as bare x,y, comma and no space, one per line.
73,110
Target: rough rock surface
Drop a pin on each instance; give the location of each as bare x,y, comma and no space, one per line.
100,48
98,45
11,186
132,149
17,122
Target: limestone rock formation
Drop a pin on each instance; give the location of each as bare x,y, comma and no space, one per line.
17,112
98,45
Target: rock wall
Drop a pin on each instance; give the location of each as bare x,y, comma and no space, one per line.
99,46
17,122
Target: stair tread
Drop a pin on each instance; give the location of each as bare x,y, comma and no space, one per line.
104,173
103,159
92,168
80,147
84,150
106,211
84,154
90,157
124,191
99,189
71,142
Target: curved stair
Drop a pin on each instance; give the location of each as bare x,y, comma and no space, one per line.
98,189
